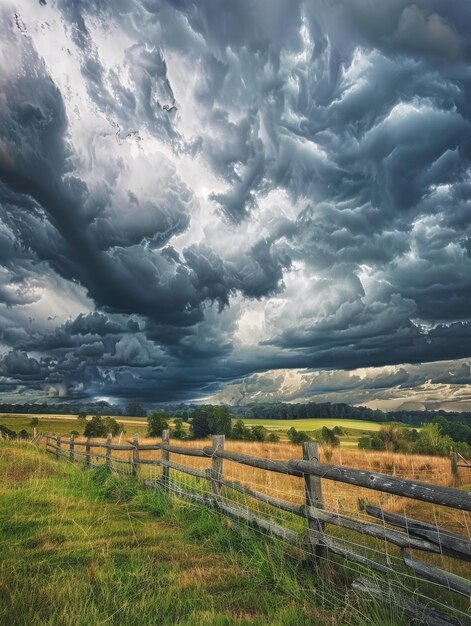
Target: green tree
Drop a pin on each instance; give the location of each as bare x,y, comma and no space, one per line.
273,438
297,436
258,433
157,422
34,422
211,420
135,409
100,426
82,415
364,443
240,430
178,432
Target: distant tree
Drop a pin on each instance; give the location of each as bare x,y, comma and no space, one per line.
100,426
178,432
157,422
23,434
273,438
377,443
364,443
240,430
258,433
135,409
297,436
327,436
34,422
211,420
82,415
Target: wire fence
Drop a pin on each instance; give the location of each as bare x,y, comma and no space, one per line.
400,540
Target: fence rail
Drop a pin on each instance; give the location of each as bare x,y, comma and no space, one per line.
402,532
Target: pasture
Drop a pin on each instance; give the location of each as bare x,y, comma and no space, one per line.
64,424
79,551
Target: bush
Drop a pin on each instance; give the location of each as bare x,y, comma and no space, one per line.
364,443
34,422
297,436
101,426
4,430
240,430
178,432
157,423
326,435
273,438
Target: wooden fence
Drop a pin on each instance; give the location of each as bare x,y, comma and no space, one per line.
316,540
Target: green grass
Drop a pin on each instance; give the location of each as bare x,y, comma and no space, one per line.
354,429
315,423
86,548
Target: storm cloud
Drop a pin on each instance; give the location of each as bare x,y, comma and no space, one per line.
197,199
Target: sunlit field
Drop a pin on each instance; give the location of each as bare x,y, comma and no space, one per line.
64,424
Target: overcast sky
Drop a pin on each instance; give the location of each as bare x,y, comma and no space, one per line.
297,227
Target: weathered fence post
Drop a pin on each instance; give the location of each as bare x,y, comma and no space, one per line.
216,467
87,453
454,466
72,448
109,439
313,490
135,456
58,446
165,459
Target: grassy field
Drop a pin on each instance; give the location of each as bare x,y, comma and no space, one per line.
81,549
353,429
64,424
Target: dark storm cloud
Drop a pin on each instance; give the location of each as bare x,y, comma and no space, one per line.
357,115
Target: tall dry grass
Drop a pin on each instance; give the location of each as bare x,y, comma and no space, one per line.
338,497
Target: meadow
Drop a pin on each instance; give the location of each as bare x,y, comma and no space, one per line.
64,424
77,549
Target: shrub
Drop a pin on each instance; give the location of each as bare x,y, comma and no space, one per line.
273,438
157,423
364,443
100,427
178,432
34,422
297,436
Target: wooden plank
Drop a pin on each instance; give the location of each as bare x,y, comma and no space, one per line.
142,461
72,448
435,494
87,453
296,509
313,492
135,456
108,450
384,592
165,457
434,574
149,446
254,520
447,542
184,451
216,464
185,469
400,539
271,465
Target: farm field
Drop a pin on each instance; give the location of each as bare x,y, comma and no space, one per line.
64,424
354,429
77,551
